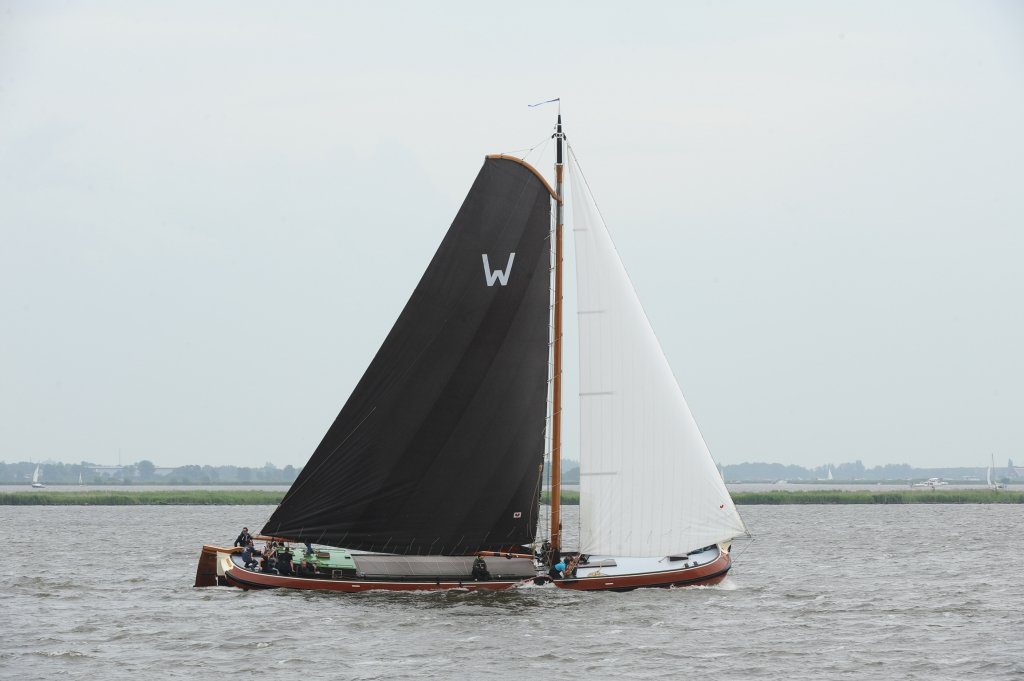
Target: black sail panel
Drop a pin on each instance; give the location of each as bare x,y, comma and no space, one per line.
439,449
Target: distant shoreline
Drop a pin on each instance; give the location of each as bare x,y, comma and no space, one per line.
909,496
251,497
196,497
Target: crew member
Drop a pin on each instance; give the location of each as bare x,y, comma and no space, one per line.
480,572
243,538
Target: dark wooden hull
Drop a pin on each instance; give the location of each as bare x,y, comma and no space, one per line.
703,575
207,573
218,568
247,579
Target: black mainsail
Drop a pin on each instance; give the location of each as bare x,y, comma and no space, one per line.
439,449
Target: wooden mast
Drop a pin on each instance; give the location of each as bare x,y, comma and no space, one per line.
556,409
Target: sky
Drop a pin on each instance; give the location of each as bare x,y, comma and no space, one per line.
210,216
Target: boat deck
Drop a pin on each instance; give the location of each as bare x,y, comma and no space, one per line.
607,566
342,564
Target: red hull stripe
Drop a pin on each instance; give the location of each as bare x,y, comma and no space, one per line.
712,573
259,580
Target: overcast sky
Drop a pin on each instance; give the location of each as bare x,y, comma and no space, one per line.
210,217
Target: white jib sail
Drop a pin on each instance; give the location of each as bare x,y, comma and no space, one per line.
648,484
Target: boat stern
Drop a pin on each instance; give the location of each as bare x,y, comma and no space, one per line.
210,571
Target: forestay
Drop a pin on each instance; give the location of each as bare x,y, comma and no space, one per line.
648,484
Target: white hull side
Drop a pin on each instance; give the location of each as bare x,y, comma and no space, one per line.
631,565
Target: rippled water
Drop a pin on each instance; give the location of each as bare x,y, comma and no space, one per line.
824,592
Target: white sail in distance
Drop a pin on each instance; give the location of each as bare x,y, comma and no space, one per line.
648,484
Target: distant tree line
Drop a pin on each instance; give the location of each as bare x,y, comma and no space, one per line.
570,472
770,472
144,472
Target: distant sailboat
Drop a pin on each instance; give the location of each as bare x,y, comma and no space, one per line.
438,453
80,480
988,475
35,480
931,483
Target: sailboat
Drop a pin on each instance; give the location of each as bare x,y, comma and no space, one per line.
35,480
988,475
430,476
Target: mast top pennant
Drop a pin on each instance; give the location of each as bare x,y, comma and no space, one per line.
547,101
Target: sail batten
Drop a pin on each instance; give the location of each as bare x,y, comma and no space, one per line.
648,484
438,449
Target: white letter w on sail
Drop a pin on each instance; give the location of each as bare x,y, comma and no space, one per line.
501,276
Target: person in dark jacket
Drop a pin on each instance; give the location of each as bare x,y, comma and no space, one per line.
243,538
544,553
284,562
480,571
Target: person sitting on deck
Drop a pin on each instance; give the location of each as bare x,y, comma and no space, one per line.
268,557
308,568
558,569
247,555
480,572
284,562
243,537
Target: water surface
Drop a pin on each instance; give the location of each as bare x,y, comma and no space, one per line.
824,592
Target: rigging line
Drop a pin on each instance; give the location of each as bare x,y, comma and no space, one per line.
540,154
544,513
526,156
512,152
576,160
526,149
751,538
